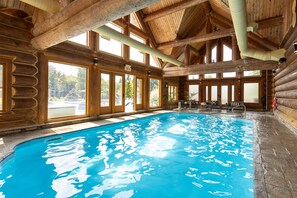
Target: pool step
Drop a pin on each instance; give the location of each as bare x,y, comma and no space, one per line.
53,139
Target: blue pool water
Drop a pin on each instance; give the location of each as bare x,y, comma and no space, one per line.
169,155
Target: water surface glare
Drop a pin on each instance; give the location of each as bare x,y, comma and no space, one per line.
169,155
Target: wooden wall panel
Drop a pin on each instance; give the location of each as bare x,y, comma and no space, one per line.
285,84
15,42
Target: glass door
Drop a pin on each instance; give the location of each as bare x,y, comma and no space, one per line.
139,93
105,93
224,94
118,93
129,93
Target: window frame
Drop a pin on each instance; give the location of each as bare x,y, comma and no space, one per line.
122,45
144,42
47,94
211,77
87,41
193,75
259,92
255,76
229,72
6,62
160,92
171,88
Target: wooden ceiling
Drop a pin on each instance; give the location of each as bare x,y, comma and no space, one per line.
193,21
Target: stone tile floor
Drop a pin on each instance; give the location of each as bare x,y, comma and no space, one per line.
275,158
275,151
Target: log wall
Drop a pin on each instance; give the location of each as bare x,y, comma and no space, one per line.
21,87
285,84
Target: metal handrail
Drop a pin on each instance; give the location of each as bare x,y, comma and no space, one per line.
240,105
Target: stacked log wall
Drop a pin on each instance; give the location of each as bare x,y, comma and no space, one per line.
15,39
285,85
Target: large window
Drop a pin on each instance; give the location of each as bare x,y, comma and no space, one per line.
252,73
139,91
135,54
153,61
212,75
227,53
214,93
110,45
105,88
154,92
224,94
172,93
232,93
1,86
214,55
193,77
251,92
229,74
80,39
194,92
66,90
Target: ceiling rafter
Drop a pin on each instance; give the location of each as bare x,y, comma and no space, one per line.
224,33
219,67
71,24
139,14
171,9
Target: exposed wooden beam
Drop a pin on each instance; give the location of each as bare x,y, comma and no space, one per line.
171,9
87,19
139,14
121,22
59,17
194,51
50,6
198,39
271,22
254,40
219,67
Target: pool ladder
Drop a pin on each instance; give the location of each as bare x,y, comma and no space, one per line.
240,106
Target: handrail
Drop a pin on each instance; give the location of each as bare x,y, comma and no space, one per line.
240,105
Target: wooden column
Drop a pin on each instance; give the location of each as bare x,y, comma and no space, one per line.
187,55
126,48
234,48
219,51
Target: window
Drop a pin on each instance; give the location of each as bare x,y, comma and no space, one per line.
232,93
172,93
110,45
154,92
153,61
66,90
251,92
105,87
227,53
229,74
214,93
135,54
80,39
194,92
139,91
118,90
1,86
212,75
252,73
214,55
134,21
224,94
193,77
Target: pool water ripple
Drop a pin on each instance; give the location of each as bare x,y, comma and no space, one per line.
170,155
